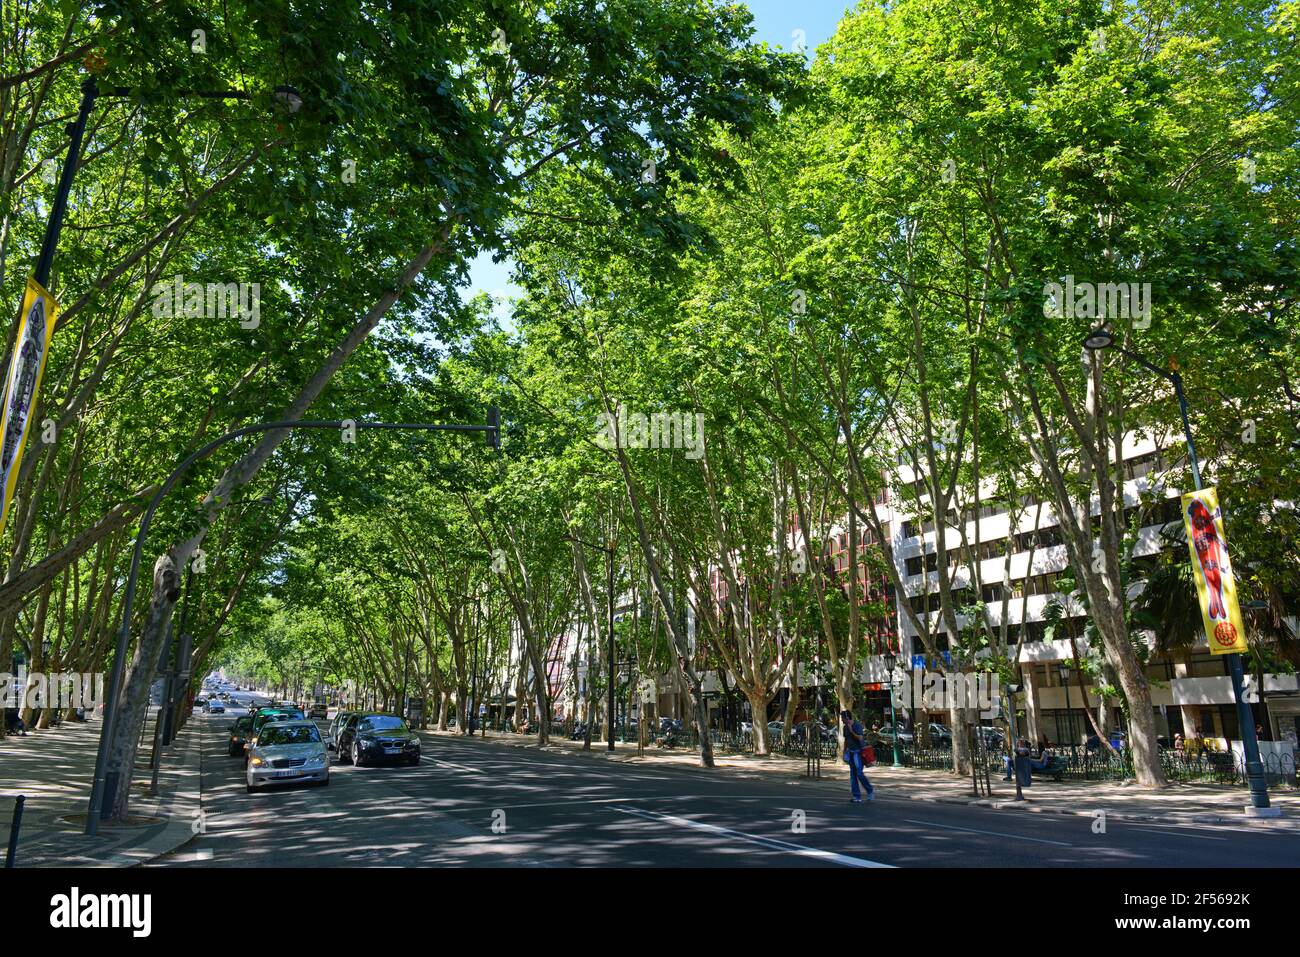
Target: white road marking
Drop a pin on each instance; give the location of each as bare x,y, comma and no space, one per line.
828,856
449,764
1152,830
972,830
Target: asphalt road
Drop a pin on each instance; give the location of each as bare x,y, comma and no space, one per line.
481,804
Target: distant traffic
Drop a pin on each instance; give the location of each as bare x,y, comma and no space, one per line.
282,744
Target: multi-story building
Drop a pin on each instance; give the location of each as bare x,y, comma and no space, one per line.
1191,690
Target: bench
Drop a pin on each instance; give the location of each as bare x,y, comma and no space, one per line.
1054,769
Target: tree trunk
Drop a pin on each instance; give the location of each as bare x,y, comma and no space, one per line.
134,705
758,702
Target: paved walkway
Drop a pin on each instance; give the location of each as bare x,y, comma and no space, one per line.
54,769
1122,801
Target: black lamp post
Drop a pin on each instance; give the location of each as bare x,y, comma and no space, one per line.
891,660
471,712
1102,338
1063,669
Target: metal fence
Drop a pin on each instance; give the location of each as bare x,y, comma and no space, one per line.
1079,763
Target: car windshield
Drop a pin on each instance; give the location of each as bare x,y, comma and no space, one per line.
382,722
289,734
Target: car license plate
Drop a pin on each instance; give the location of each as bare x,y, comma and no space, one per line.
285,774
392,750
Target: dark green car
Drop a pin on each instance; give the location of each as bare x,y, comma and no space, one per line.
239,732
263,716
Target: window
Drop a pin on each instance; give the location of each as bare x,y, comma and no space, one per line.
288,734
931,563
382,722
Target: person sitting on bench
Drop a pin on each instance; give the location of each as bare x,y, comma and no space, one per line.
14,722
1022,750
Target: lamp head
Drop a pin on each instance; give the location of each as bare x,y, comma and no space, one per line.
287,97
1099,338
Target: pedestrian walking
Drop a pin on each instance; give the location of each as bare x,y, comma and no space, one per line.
854,742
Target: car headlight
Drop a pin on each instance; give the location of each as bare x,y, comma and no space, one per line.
413,743
257,762
316,760
366,742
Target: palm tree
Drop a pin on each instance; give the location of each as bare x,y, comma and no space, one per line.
1170,607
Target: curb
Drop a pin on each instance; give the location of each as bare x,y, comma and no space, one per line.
1194,816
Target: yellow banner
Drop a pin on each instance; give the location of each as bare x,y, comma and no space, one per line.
23,385
1212,570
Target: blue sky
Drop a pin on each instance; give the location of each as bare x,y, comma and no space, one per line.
774,23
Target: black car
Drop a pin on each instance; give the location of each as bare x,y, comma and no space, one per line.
239,732
336,728
371,737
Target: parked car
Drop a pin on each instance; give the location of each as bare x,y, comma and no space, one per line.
239,732
336,726
775,729
940,735
373,737
287,752
886,734
799,733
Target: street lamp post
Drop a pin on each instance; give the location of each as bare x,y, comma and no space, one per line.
104,786
471,713
487,654
891,660
1063,669
1013,749
1102,338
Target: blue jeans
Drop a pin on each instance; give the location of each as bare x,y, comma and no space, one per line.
856,774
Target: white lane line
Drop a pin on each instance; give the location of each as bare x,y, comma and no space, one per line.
972,830
1203,837
450,764
828,856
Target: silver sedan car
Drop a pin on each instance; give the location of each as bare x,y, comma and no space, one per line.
288,752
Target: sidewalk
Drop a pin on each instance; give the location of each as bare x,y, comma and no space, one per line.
1121,801
54,769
